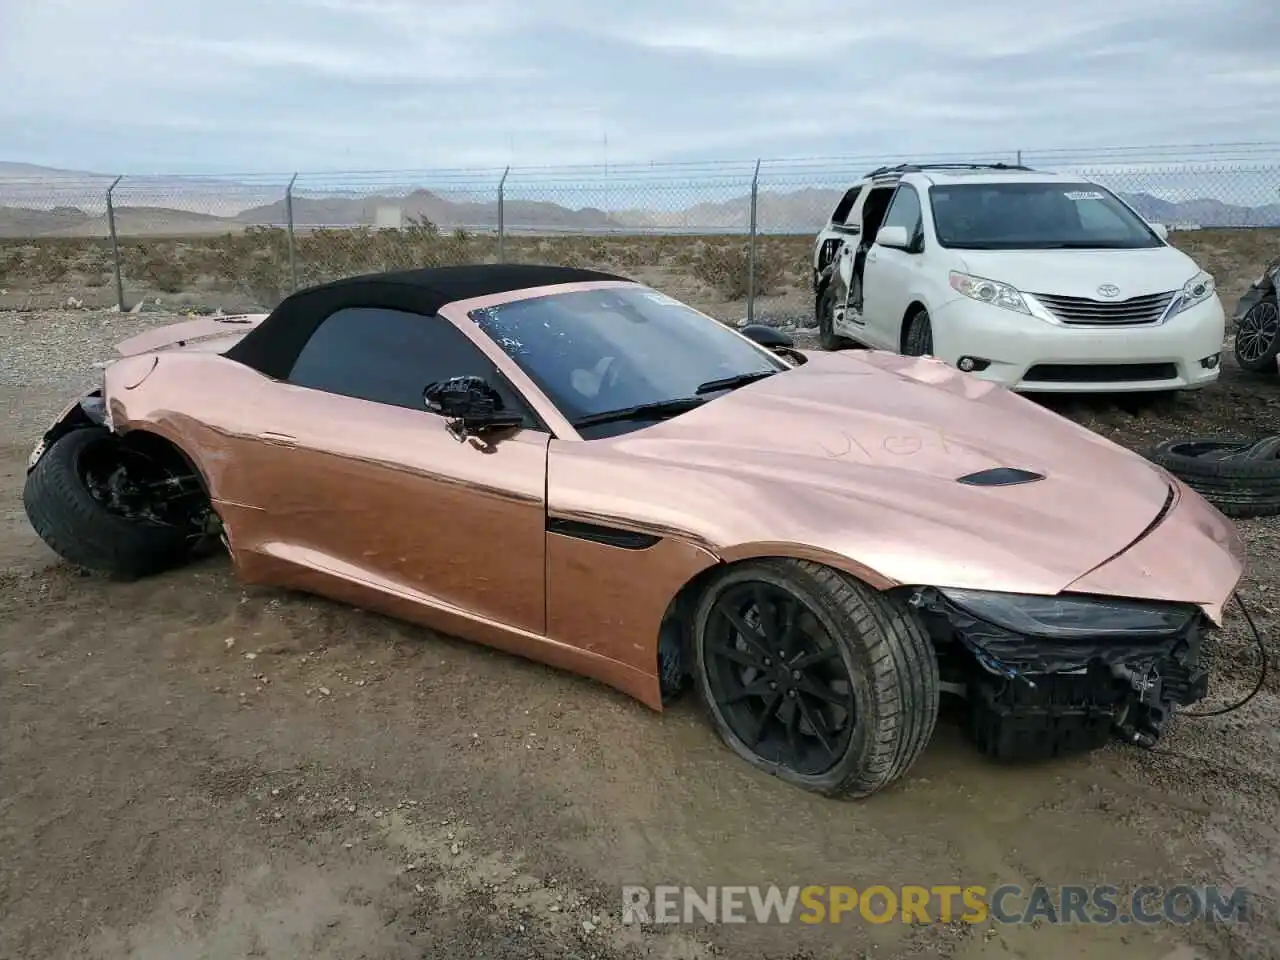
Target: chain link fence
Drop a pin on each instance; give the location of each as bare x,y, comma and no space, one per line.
733,238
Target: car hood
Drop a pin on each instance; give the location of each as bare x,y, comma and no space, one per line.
860,455
1079,273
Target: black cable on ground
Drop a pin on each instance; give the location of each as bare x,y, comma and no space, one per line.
1262,675
1217,765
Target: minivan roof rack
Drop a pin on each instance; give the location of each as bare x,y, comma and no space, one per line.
917,167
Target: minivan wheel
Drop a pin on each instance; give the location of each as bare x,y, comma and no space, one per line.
918,341
828,339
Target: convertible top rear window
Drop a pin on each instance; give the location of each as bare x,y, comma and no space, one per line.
273,346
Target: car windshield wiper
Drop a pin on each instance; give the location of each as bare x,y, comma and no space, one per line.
656,410
737,380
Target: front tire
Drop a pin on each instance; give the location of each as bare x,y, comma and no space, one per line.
80,527
918,341
828,339
814,677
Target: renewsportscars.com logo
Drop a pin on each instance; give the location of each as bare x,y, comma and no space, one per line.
1010,903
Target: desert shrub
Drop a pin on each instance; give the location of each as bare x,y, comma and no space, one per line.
628,256
165,273
95,266
724,267
792,256
51,263
12,263
328,254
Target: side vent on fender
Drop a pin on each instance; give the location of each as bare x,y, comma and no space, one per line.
611,536
1000,477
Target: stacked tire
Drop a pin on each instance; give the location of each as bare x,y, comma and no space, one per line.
1239,477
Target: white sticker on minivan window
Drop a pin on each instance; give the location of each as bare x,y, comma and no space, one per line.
1084,195
661,298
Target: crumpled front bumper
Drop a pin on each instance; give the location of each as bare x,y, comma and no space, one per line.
1036,696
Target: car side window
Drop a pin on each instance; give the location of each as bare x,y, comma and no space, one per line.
390,356
904,211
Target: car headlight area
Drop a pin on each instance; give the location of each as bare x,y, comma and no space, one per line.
1046,675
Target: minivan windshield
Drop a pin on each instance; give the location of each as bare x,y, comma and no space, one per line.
599,355
1037,216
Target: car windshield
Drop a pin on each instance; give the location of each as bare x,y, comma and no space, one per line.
595,353
1035,216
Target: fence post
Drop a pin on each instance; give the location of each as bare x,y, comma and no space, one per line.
288,213
115,242
751,247
502,223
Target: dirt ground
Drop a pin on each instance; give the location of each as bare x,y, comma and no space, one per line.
189,769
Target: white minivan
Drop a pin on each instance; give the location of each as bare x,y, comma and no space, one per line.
1037,281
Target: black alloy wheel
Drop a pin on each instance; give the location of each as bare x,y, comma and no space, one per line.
778,678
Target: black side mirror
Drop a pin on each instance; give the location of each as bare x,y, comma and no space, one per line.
471,405
767,336
775,340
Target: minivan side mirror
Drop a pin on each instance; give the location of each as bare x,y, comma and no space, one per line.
1161,230
894,236
471,405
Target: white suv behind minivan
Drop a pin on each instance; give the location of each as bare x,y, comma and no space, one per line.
1037,281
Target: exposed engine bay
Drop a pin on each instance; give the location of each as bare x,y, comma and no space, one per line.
1046,676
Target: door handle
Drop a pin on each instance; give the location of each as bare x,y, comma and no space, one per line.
871,258
279,439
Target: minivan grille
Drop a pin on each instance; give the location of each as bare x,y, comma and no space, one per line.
1099,372
1084,312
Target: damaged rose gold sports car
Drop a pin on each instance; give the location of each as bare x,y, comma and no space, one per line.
575,468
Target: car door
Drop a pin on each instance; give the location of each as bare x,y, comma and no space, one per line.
891,275
843,225
376,489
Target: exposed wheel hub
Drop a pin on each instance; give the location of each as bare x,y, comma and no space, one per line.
133,485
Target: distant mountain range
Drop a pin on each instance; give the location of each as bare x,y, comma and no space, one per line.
43,202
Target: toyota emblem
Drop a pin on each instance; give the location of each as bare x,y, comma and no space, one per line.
1108,290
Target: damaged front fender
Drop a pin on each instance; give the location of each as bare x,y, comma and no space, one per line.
89,411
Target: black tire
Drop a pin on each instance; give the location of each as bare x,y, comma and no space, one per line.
1239,477
82,530
828,339
888,665
918,340
1257,340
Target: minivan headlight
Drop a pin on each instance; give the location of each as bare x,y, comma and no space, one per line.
1195,291
988,291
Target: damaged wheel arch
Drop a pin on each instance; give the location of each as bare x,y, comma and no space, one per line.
89,411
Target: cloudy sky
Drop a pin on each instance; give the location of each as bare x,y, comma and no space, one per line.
270,85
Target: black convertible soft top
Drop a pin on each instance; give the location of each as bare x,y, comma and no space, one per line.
274,345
